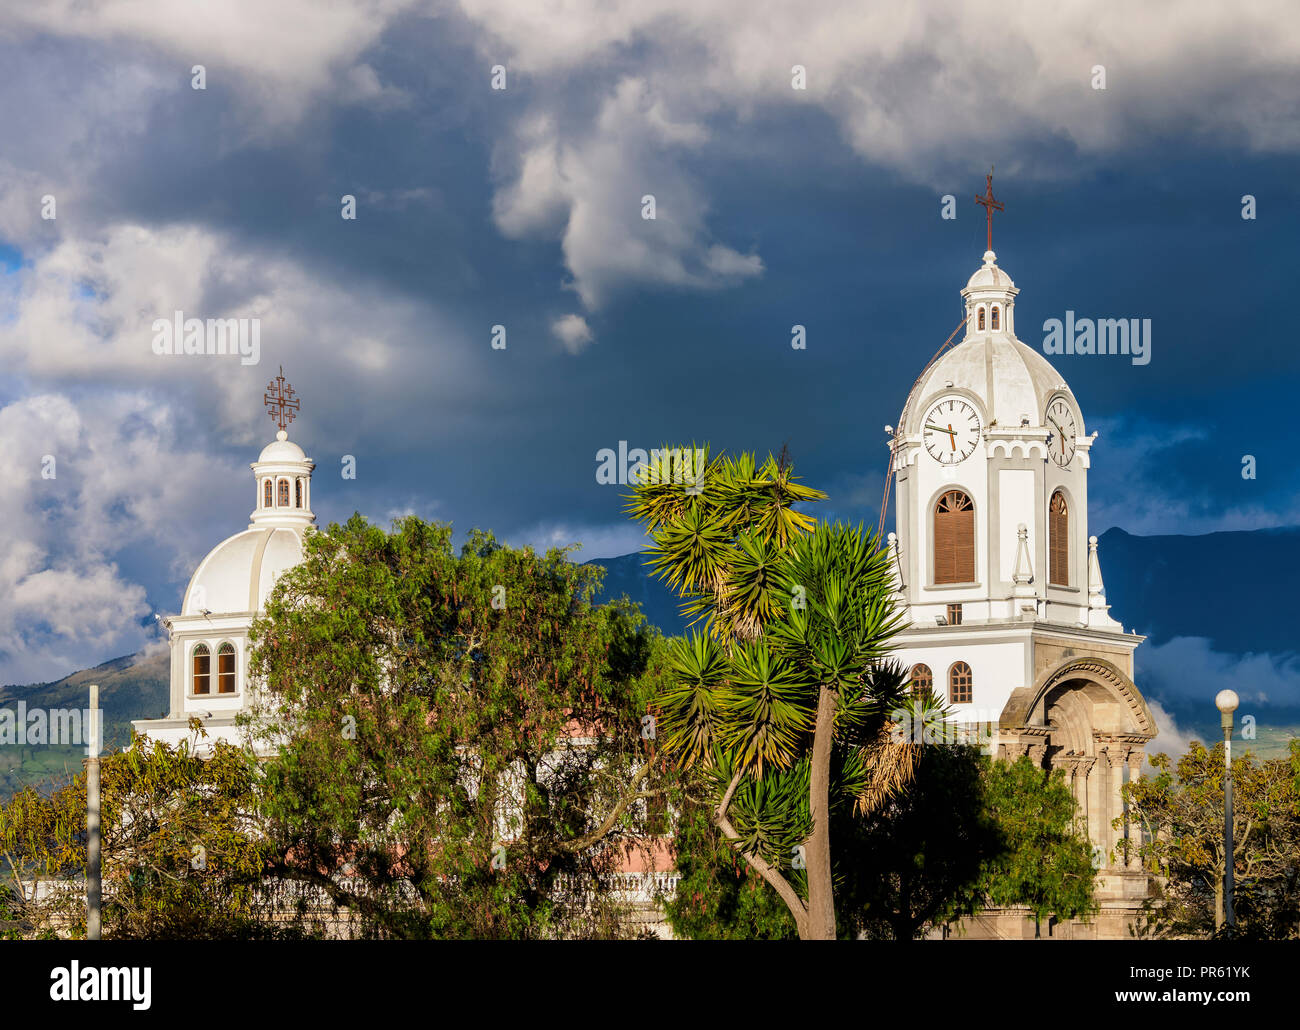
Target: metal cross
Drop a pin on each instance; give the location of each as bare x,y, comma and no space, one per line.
990,205
280,400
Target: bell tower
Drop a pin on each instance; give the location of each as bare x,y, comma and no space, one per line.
999,581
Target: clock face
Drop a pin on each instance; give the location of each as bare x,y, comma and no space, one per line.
951,430
1060,420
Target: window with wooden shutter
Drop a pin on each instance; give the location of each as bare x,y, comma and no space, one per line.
954,539
202,669
226,669
922,679
960,684
1058,540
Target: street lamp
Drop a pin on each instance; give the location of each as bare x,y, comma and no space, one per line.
1226,702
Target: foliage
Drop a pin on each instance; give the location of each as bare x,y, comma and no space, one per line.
1181,810
785,701
719,895
917,862
464,752
181,855
1045,860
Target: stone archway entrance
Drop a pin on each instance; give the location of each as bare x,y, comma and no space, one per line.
1087,718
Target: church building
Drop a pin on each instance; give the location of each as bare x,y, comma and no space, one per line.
209,638
1000,583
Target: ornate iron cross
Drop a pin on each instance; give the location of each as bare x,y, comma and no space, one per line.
990,205
280,400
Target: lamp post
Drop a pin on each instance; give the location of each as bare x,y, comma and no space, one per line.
1226,702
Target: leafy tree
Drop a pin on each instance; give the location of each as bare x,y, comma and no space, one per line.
181,854
461,735
784,702
719,895
1045,860
1181,810
918,861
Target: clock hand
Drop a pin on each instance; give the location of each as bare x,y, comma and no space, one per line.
949,431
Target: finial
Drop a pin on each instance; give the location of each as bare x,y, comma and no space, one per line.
281,402
990,205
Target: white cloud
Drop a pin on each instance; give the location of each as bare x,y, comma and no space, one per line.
597,540
1170,739
278,56
1188,669
573,332
1128,452
928,91
83,312
122,474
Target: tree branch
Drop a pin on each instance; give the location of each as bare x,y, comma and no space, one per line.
779,883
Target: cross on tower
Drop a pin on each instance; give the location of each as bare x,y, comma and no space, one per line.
990,205
280,400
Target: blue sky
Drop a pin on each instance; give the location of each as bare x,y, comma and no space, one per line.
522,207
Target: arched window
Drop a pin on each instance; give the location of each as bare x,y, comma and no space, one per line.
981,320
960,683
282,499
226,668
995,317
267,498
202,670
297,493
954,539
1058,540
922,679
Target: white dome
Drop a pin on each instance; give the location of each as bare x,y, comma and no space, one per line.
1010,380
989,276
282,449
238,574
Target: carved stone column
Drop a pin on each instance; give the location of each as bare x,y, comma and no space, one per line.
1082,767
1036,754
1013,749
1116,755
1135,759
1088,777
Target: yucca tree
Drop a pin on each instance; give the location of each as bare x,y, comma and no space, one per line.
786,701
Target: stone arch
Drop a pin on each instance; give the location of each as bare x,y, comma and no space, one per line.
1122,709
1086,717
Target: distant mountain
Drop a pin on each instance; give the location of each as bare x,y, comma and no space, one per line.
130,687
1236,589
628,575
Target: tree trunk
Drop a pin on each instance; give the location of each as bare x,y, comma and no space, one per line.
820,922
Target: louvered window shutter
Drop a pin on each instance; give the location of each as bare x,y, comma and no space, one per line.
1058,524
954,539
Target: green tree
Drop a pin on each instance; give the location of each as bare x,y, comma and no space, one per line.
462,749
1045,860
181,853
719,895
1181,810
785,700
918,861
